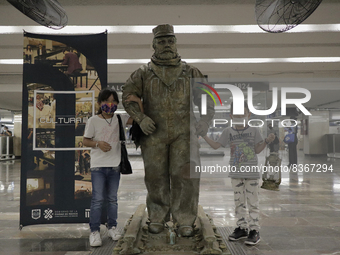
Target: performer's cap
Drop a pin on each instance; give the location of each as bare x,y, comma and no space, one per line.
163,30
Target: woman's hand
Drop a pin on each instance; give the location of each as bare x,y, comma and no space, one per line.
132,98
104,146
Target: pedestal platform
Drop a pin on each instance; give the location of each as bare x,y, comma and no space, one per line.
137,239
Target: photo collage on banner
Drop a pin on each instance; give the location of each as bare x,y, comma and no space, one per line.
83,186
61,79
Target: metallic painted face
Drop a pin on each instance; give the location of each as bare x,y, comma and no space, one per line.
165,47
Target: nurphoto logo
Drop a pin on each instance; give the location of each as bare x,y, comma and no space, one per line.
238,99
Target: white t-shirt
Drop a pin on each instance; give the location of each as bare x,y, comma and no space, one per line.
98,129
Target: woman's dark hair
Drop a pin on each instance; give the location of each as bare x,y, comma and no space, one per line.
245,107
104,94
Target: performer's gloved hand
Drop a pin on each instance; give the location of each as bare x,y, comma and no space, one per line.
202,128
147,125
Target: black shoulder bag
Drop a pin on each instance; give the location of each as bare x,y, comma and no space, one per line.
136,133
125,166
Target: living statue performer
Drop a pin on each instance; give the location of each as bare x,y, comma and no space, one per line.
166,87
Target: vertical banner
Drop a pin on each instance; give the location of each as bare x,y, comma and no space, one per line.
61,78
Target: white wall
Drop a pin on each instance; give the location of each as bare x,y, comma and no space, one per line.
315,143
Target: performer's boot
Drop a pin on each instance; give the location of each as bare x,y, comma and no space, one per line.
185,231
156,228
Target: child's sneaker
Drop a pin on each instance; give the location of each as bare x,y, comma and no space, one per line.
238,234
114,233
253,238
95,239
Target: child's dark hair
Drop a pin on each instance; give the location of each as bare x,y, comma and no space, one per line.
104,94
245,107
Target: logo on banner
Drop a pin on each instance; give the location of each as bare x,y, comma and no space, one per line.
36,214
87,213
48,120
204,106
238,99
48,214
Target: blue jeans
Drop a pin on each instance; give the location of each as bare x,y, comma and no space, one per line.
105,183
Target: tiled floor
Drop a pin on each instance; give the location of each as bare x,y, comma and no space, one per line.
302,218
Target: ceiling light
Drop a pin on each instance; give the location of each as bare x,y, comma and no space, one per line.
11,61
210,60
179,29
